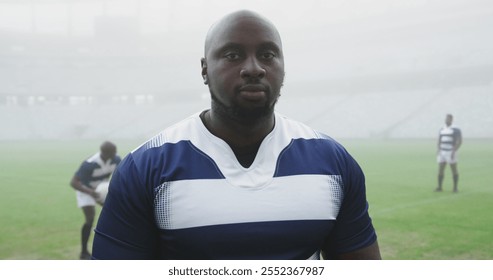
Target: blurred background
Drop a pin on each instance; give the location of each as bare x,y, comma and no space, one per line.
126,69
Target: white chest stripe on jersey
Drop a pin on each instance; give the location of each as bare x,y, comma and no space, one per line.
194,203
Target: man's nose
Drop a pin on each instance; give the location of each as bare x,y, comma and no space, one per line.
252,68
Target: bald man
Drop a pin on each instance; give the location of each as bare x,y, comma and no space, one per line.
238,180
92,172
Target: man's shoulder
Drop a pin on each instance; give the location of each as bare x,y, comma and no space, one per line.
88,166
300,130
116,160
91,161
457,132
174,134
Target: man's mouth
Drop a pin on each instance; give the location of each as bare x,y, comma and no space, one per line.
253,92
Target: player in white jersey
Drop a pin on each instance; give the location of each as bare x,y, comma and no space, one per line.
238,181
94,170
449,142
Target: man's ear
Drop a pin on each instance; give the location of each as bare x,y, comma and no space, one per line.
204,71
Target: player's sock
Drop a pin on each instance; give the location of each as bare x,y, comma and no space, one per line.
440,181
456,182
86,233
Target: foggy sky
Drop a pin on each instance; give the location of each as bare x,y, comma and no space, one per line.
331,38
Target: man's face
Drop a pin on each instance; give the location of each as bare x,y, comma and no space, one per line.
448,120
107,154
244,68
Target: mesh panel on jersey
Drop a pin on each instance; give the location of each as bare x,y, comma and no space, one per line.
162,207
337,187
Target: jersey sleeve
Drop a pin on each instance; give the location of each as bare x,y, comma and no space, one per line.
458,134
126,227
117,160
84,172
353,229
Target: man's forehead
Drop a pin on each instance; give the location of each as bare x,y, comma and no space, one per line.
235,27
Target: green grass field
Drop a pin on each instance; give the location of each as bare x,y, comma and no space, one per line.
39,218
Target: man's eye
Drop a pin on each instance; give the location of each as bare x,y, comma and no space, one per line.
267,55
232,56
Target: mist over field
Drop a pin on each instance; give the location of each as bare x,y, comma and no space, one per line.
113,69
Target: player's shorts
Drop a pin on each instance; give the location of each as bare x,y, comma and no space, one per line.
83,199
446,156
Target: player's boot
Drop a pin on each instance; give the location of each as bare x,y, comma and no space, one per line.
85,256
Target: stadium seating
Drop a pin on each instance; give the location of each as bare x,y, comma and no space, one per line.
384,114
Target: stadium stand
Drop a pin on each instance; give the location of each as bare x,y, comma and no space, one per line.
385,114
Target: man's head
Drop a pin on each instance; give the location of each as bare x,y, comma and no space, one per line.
243,66
448,119
108,150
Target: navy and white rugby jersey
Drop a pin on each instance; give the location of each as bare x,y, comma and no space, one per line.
94,170
448,137
184,195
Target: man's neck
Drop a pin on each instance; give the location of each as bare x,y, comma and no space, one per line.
243,139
